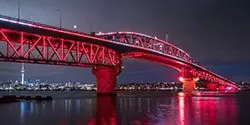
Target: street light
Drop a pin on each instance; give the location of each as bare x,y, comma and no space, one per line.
75,26
90,24
18,10
60,17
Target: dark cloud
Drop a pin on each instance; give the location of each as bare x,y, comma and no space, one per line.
213,32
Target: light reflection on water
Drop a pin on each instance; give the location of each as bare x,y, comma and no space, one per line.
164,109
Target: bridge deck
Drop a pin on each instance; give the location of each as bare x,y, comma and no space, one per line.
47,30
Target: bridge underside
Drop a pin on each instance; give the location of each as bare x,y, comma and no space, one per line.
188,75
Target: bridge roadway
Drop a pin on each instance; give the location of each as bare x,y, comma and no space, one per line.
129,49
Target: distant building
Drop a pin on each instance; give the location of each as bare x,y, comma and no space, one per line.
22,74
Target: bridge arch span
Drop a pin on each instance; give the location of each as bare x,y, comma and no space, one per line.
159,51
142,42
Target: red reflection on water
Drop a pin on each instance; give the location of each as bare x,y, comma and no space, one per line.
181,110
207,110
185,110
106,112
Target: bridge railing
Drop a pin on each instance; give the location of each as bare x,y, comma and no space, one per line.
13,19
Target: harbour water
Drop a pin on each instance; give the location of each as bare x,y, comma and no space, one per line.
127,108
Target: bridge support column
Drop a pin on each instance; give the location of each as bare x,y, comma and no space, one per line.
232,89
212,87
188,85
222,88
106,79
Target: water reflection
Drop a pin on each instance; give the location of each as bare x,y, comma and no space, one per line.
106,112
207,110
23,111
124,110
182,110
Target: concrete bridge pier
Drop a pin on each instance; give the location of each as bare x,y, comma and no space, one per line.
222,88
188,79
188,84
226,88
212,87
106,78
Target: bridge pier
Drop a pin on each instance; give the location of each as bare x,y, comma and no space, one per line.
222,88
106,79
188,84
226,88
212,87
233,90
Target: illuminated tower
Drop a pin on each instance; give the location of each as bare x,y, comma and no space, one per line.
22,73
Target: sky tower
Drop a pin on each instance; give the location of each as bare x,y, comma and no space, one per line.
22,74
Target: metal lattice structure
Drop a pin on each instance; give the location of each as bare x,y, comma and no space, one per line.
33,48
147,42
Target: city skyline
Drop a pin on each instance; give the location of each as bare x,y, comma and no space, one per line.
218,31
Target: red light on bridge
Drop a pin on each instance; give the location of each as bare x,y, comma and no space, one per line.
196,79
181,79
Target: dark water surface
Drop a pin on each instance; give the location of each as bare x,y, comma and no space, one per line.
128,108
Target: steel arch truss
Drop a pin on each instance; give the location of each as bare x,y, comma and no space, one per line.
206,75
18,46
146,42
152,44
213,78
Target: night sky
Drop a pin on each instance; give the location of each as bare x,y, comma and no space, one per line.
214,32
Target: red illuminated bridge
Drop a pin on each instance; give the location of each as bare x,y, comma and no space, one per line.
29,42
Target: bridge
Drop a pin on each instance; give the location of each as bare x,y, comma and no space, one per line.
30,42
